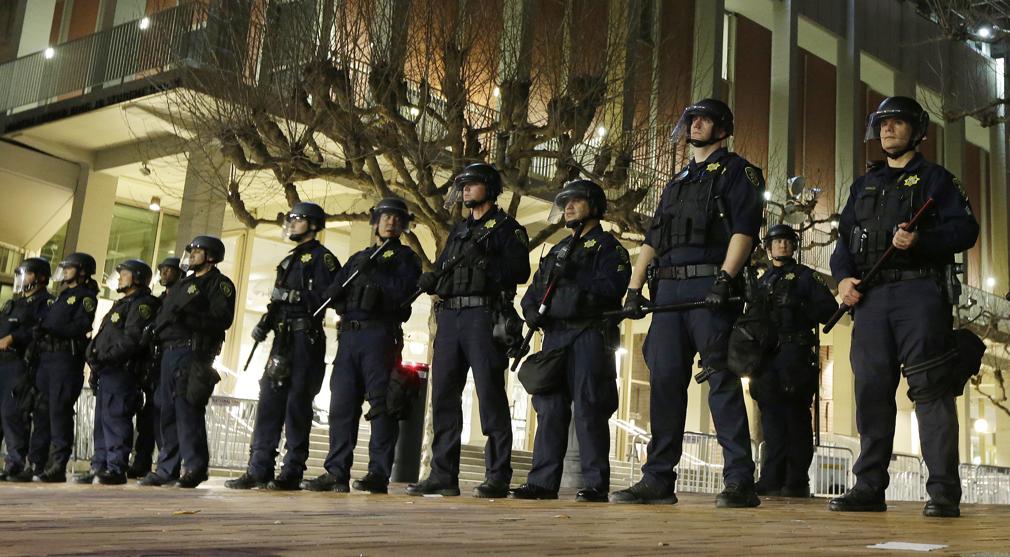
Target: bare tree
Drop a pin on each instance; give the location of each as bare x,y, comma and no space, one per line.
394,97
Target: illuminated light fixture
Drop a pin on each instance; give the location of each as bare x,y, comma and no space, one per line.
414,111
48,53
144,23
496,92
601,131
155,204
985,31
990,282
745,381
768,195
981,425
976,460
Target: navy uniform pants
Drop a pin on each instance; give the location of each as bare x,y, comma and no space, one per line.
789,446
591,389
148,430
898,324
183,425
59,379
670,347
288,405
463,342
15,428
116,401
361,370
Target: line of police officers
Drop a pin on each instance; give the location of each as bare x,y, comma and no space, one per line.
696,249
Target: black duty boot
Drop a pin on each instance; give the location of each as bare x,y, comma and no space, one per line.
433,487
107,477
643,493
860,500
135,472
530,491
737,496
763,488
285,482
190,480
372,483
153,479
326,482
54,475
935,509
24,475
491,489
245,481
87,478
799,491
591,495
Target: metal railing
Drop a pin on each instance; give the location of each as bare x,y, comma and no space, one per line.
988,485
908,478
229,429
128,52
830,470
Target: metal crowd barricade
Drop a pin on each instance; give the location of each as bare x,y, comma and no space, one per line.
229,429
637,445
701,464
830,470
908,478
984,484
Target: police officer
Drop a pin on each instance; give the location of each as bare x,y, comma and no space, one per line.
594,273
699,241
148,416
115,356
495,258
902,321
191,326
784,388
295,369
60,373
18,320
371,340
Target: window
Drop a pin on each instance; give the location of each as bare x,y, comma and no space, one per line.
134,235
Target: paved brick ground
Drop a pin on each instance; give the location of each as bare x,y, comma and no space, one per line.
130,520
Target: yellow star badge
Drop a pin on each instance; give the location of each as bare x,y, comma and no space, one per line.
790,276
387,254
306,257
71,300
191,290
911,181
590,243
713,167
489,224
114,318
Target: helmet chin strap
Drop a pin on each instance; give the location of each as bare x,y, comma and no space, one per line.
705,143
783,258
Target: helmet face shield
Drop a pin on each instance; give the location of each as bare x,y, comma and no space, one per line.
561,201
295,226
23,280
64,272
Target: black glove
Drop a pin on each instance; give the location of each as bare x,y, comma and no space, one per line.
634,303
534,319
427,282
718,296
260,331
335,292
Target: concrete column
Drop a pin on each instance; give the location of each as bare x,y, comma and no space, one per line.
843,386
203,198
999,216
849,115
38,22
706,65
91,217
784,106
1002,438
622,41
13,12
907,28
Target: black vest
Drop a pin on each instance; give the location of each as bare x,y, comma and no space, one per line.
689,216
881,205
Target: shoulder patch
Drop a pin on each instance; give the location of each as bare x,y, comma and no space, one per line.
89,304
330,261
227,289
753,175
145,311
